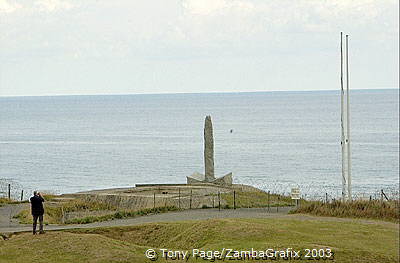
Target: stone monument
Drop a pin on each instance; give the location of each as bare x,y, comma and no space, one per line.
209,176
208,150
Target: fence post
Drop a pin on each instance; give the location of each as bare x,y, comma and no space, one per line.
154,201
234,199
326,197
277,206
190,201
268,201
62,215
179,198
384,195
219,201
9,191
22,195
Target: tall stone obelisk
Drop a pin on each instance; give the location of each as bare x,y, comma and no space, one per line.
208,150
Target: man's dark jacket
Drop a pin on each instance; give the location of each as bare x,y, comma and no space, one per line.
37,205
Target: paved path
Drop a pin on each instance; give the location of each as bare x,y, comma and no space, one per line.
195,214
6,215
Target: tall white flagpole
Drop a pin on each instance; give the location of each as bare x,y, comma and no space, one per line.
342,142
348,122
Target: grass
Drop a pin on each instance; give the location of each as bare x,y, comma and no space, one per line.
50,197
54,210
5,201
121,215
350,240
255,199
53,214
373,209
56,207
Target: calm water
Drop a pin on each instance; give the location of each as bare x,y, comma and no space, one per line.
279,139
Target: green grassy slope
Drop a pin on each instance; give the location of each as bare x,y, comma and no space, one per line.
351,241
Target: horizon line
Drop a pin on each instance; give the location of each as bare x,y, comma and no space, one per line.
183,93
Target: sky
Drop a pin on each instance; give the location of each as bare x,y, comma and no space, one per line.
62,47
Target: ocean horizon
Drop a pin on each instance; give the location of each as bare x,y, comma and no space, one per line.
279,139
191,93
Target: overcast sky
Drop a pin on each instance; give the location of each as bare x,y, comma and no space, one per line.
50,47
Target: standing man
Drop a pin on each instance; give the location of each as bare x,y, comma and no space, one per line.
37,211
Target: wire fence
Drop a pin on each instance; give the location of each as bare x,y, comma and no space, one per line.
317,190
13,190
224,198
221,198
386,194
187,199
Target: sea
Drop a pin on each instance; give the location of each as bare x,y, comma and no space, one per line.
271,140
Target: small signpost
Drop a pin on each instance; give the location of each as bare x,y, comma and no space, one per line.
295,194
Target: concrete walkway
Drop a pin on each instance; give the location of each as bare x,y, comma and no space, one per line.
7,212
195,214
